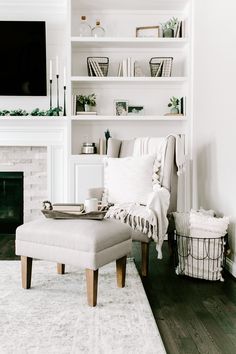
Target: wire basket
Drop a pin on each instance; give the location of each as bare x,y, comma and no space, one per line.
202,258
97,70
161,66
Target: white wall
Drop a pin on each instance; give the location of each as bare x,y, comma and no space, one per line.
214,109
54,13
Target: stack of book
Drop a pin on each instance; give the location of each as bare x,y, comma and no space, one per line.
127,68
68,208
94,68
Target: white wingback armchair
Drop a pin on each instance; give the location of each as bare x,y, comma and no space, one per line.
118,148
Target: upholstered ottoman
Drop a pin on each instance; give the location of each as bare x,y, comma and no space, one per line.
88,244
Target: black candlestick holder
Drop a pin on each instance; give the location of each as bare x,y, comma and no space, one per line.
64,111
50,92
58,105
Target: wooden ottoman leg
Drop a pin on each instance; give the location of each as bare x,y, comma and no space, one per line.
92,286
60,268
26,271
121,271
144,258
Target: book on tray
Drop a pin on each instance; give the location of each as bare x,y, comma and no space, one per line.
66,207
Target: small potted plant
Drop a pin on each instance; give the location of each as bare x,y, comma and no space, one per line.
168,27
87,101
174,103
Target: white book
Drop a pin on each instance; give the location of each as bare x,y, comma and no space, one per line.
132,67
177,34
129,66
119,73
124,67
183,29
98,68
158,73
185,106
68,207
177,29
91,71
94,67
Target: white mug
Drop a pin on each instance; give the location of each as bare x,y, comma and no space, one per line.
91,205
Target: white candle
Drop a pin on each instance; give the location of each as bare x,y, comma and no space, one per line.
57,66
64,77
50,70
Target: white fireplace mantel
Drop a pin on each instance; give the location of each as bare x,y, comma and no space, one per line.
50,132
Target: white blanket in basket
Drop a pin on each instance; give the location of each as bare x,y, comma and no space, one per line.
201,255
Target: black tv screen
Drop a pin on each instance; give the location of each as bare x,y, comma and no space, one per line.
23,58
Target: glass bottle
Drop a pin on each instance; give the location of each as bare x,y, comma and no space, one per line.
84,28
98,30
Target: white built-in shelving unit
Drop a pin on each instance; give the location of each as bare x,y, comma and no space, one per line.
64,135
120,19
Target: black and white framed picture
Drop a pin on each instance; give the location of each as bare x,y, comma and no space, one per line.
135,110
121,107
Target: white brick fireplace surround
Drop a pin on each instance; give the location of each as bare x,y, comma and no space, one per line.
38,148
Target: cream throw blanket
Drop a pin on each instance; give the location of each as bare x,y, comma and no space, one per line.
151,220
157,146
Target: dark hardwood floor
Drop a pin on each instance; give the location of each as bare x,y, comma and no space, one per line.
7,247
193,316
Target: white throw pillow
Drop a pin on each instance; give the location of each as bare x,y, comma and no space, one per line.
129,179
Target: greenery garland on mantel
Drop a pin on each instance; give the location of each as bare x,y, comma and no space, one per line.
35,113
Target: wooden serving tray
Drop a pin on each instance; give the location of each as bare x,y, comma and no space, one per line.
53,214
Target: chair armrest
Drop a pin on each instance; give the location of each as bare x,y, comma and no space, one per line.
96,193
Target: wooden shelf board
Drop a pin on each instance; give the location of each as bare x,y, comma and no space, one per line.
132,5
124,42
117,79
100,118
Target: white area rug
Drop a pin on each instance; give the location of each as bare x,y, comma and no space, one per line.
53,316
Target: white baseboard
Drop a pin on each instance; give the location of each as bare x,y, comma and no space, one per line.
231,266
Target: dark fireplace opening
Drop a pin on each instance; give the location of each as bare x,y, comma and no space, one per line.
11,201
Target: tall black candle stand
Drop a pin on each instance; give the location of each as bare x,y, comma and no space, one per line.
57,94
50,92
64,111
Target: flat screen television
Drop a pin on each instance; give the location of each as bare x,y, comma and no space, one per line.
23,58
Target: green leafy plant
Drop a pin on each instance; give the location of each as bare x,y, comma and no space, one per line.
4,113
18,112
36,112
170,24
53,111
89,100
174,102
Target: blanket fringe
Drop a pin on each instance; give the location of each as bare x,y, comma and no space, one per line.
137,223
